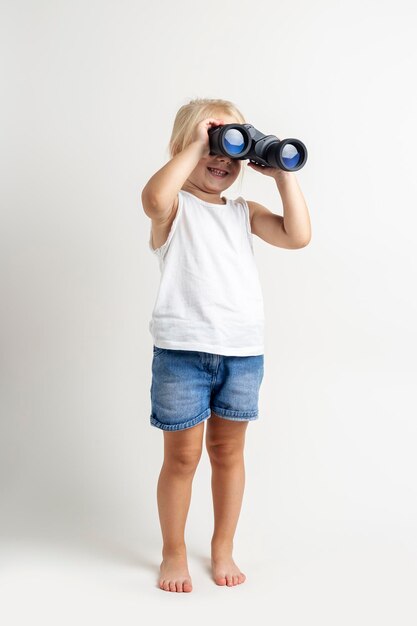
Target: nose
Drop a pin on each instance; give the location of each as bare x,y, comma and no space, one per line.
225,159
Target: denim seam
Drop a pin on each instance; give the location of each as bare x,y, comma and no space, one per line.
196,420
214,376
233,414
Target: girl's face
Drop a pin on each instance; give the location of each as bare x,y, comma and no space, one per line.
210,182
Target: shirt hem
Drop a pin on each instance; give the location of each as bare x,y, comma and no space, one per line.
212,349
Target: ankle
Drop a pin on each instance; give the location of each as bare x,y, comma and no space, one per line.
178,549
221,545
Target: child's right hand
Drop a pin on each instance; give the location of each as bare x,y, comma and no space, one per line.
201,133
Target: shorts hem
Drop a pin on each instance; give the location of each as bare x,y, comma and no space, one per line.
196,420
235,415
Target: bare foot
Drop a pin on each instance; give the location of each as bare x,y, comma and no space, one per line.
174,575
225,570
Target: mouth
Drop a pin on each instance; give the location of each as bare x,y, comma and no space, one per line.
217,172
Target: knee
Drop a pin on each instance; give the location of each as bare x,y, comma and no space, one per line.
225,453
183,460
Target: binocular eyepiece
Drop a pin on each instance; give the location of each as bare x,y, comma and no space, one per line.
243,141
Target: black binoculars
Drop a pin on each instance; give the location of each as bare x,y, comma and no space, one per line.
243,141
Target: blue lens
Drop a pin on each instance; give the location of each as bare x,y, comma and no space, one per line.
234,141
290,155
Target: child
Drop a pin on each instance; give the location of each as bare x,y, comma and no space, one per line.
207,326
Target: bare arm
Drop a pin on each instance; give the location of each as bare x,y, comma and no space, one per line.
296,218
162,188
160,192
293,230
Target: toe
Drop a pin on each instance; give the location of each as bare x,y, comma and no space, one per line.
172,585
229,580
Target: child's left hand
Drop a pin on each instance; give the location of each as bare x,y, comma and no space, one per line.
274,172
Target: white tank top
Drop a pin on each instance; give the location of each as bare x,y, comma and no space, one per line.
209,297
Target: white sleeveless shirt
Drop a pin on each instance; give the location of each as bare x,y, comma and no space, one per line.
209,297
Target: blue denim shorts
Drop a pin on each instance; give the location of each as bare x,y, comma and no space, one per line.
188,385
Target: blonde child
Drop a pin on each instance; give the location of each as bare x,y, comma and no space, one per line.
207,326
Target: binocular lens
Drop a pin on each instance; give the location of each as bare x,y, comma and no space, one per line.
234,141
290,156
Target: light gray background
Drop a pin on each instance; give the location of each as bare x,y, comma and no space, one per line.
90,91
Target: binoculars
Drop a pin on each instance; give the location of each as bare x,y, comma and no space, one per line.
244,141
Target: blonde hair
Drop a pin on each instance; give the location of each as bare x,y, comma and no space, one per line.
191,114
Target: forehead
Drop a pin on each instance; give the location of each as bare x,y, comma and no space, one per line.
226,117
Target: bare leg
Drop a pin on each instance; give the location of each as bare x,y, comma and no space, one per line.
225,442
182,452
